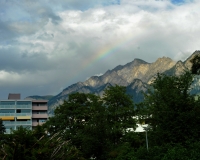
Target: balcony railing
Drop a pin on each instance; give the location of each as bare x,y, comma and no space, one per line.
7,106
37,123
23,114
15,114
40,108
40,115
17,123
7,114
16,106
23,106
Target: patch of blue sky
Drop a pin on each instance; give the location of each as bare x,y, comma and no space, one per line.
179,2
14,14
81,4
111,2
92,3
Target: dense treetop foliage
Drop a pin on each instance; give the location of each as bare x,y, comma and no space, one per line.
195,69
2,127
173,113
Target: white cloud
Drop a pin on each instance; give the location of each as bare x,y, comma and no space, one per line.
63,46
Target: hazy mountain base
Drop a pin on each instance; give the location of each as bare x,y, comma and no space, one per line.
36,97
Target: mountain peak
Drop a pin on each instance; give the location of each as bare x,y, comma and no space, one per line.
164,59
139,60
187,62
135,62
193,54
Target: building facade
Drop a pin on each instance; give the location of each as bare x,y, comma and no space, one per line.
39,112
26,113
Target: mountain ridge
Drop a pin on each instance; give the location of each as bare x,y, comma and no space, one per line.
135,76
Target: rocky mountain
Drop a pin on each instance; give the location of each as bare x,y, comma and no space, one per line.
136,76
136,88
180,66
137,69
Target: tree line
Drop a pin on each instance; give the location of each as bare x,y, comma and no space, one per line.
87,126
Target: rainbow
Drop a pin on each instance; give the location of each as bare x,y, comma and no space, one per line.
108,50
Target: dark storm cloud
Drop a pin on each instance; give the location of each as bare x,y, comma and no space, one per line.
45,36
24,17
13,60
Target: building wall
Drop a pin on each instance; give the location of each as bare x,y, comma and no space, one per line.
39,112
15,113
25,113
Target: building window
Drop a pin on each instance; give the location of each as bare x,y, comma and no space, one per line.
39,104
25,111
39,112
42,120
7,111
7,103
23,103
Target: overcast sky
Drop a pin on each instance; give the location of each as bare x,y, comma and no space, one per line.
47,45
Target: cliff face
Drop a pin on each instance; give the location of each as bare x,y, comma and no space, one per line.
135,75
121,75
180,66
137,69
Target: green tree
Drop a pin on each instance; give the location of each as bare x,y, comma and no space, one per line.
172,112
49,147
120,114
17,144
33,145
195,69
2,138
41,148
92,125
79,121
2,127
